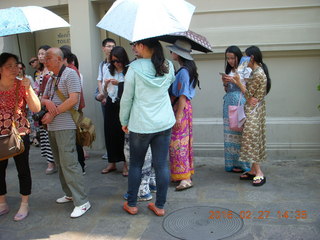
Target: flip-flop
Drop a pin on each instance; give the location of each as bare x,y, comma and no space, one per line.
247,176
125,173
183,186
130,210
158,211
106,170
262,181
237,170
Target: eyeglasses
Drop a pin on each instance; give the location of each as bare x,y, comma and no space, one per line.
32,61
115,61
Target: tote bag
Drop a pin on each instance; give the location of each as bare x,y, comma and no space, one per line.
237,116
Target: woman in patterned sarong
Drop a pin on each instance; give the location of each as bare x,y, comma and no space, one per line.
232,139
253,144
182,91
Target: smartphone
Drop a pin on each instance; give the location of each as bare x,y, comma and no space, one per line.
222,74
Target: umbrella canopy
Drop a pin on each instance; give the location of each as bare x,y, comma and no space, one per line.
197,41
28,19
140,19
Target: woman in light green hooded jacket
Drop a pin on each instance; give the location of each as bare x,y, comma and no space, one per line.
146,111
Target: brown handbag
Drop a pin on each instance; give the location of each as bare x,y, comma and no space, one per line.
11,144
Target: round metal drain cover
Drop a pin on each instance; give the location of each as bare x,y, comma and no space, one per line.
202,222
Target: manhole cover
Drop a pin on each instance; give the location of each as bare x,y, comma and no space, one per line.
202,222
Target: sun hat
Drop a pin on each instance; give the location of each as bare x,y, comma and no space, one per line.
182,48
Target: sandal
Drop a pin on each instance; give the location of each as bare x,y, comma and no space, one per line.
130,210
184,185
237,170
247,176
257,178
158,211
108,170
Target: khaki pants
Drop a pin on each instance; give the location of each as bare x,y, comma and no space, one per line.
63,145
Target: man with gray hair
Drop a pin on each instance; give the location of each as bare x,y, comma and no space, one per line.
62,129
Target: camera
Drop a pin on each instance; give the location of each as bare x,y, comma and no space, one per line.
39,115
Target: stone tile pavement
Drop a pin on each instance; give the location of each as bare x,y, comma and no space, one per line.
292,188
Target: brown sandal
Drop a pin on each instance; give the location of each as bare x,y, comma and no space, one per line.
108,170
158,211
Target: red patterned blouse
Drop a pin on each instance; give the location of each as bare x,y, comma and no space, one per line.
7,103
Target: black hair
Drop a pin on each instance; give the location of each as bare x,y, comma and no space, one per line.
104,42
4,58
67,53
257,56
237,53
74,59
23,67
190,65
44,47
158,59
121,54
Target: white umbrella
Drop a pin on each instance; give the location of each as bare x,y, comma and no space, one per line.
28,19
141,19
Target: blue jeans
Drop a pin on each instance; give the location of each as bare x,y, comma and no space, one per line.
139,143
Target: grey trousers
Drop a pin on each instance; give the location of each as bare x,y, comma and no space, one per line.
63,145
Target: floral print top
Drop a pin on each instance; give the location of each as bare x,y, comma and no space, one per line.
7,104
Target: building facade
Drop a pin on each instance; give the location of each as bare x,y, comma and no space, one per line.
287,32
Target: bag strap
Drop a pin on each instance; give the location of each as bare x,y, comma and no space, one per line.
74,113
16,103
239,99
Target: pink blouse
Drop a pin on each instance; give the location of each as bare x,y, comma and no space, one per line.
7,103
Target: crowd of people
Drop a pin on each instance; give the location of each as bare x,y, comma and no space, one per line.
147,113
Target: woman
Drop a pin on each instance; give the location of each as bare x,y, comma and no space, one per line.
253,144
113,88
146,111
182,91
232,139
10,87
42,79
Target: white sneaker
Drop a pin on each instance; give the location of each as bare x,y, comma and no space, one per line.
64,199
79,211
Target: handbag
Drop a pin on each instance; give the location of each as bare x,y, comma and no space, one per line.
237,116
11,144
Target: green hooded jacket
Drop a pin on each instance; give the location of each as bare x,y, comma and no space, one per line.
145,105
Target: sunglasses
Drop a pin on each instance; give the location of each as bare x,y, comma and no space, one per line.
115,61
32,61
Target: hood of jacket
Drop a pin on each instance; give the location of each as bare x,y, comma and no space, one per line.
144,68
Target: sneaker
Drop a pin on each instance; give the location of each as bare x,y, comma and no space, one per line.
143,198
105,156
79,211
153,188
64,199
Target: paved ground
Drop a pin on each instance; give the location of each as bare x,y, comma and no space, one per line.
292,185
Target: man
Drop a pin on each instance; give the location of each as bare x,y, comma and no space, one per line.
107,45
62,130
68,62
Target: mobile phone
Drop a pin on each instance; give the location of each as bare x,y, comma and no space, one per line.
222,74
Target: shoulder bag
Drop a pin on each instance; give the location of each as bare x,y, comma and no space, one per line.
12,144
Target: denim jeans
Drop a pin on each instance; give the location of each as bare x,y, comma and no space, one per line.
139,143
